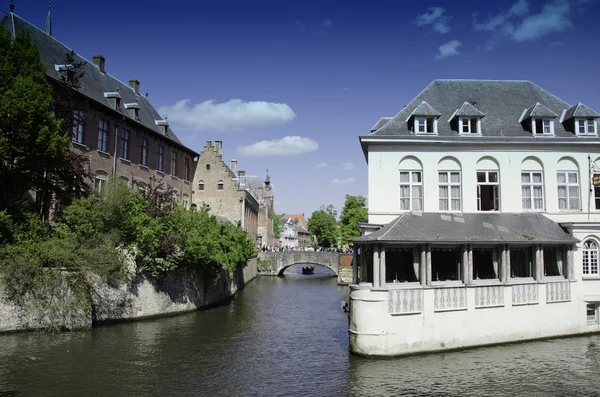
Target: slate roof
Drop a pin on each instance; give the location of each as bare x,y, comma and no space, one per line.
94,83
382,121
502,102
424,109
580,110
539,110
301,230
488,227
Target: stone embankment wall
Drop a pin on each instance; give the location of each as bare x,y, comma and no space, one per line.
136,298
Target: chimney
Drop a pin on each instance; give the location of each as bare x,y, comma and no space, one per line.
241,173
233,165
218,145
135,85
99,61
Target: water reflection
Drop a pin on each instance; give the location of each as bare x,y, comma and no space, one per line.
281,336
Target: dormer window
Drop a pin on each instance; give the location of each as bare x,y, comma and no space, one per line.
469,119
469,125
114,98
163,125
424,119
542,126
425,125
586,127
134,110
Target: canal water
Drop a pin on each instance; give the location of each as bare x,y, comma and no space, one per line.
279,337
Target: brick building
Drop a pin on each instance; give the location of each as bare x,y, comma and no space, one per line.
118,129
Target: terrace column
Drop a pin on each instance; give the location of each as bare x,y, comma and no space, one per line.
428,263
363,264
382,266
539,262
470,273
375,265
354,264
417,264
496,261
423,266
506,264
570,268
465,264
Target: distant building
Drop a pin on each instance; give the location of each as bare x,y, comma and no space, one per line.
484,221
293,235
226,191
298,219
121,133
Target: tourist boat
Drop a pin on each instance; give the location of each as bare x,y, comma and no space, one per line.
308,269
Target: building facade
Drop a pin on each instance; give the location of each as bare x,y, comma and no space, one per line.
116,128
484,223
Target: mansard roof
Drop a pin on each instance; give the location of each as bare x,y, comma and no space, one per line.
502,102
94,83
486,227
538,110
424,109
580,110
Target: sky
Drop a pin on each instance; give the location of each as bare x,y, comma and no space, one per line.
290,86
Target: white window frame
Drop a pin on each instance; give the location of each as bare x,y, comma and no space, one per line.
544,121
466,122
445,203
429,125
567,185
593,318
596,190
411,198
590,254
488,183
584,123
531,185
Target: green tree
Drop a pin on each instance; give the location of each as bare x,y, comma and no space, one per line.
34,145
354,211
323,227
277,226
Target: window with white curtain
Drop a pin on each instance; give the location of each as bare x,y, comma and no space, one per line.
411,191
568,190
589,256
449,190
532,190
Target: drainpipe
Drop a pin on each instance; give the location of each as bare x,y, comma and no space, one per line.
114,170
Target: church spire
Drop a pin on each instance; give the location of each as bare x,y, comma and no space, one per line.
48,27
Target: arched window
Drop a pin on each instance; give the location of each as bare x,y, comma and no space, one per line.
488,185
220,185
449,178
100,179
201,185
568,185
590,258
532,184
411,185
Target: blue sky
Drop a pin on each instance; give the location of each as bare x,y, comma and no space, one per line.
290,86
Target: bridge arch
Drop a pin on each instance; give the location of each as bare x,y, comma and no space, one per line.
275,263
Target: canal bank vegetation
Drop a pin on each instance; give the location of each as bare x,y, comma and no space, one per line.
55,231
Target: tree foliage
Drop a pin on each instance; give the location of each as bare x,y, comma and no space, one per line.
34,143
277,226
323,227
354,211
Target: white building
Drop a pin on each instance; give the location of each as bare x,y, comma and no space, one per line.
484,224
288,238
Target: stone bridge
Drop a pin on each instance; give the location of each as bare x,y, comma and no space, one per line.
275,263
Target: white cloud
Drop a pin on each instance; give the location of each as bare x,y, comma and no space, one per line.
436,18
518,24
286,146
553,18
338,181
448,49
321,165
348,166
233,115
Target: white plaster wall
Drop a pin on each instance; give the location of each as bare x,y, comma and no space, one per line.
374,331
384,165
